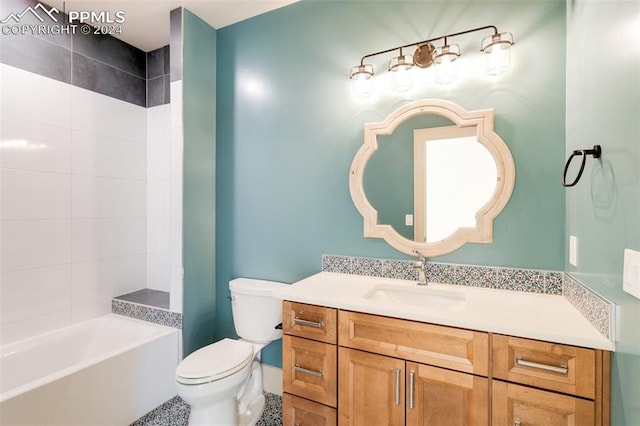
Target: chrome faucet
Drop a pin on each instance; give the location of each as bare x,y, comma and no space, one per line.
421,266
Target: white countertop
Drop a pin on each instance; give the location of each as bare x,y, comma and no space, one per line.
530,315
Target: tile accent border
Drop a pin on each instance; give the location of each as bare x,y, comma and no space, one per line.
146,313
514,279
594,308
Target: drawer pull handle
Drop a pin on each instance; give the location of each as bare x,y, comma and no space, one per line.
397,386
411,377
316,324
562,369
516,423
306,371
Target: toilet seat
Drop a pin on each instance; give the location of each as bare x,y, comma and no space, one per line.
214,362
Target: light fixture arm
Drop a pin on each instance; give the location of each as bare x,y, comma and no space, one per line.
493,27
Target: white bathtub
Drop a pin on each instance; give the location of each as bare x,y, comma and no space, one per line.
107,371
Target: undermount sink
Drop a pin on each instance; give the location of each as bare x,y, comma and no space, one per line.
418,296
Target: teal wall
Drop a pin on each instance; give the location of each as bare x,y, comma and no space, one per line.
288,128
603,210
199,199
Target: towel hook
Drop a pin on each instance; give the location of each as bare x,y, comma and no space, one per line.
596,152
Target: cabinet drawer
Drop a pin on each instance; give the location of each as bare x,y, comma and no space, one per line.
520,405
309,321
452,348
310,369
299,411
562,368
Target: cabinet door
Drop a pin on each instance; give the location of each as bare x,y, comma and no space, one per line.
521,405
302,412
436,396
309,369
370,389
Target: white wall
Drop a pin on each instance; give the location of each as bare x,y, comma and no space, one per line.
73,228
164,197
177,147
158,197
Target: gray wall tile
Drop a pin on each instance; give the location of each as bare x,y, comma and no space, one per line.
155,63
155,91
36,55
107,80
167,59
16,6
167,88
175,50
111,51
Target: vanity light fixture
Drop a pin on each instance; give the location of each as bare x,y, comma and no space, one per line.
400,67
445,63
498,53
361,80
496,47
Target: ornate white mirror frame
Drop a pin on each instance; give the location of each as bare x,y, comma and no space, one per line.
483,232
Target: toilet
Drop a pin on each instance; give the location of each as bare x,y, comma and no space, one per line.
222,382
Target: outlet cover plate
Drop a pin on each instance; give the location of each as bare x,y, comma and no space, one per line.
631,276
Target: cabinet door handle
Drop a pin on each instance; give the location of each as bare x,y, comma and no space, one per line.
411,377
516,423
397,386
307,371
316,324
561,369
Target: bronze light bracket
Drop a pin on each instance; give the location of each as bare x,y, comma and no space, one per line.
423,56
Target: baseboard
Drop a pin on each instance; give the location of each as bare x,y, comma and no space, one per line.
272,379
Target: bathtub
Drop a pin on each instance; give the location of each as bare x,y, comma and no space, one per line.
106,371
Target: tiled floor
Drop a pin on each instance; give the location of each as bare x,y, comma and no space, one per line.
175,412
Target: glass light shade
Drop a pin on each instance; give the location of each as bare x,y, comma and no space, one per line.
400,68
498,53
446,64
361,80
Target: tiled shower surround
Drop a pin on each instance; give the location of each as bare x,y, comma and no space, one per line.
103,171
595,309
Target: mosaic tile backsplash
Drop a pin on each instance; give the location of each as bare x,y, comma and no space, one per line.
595,309
599,312
147,313
515,279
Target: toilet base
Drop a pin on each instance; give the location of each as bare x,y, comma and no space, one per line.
222,413
251,416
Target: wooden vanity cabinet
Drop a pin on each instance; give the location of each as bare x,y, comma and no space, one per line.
390,372
543,383
377,370
309,367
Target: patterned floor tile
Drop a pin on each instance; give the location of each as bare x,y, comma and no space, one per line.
175,412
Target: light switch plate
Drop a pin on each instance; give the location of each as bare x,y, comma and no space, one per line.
573,250
408,220
631,276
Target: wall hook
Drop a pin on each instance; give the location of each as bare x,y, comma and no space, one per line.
596,152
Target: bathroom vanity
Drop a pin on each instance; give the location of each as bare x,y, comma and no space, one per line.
367,350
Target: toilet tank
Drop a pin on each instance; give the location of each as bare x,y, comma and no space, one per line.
255,312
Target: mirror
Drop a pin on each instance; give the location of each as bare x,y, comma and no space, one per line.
431,177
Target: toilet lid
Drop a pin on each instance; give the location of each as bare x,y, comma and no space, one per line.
214,362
